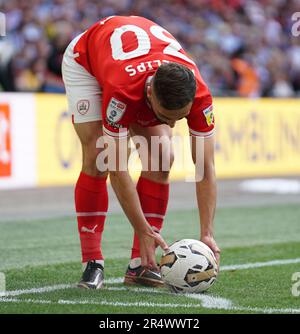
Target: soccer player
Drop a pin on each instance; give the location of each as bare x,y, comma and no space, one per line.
127,76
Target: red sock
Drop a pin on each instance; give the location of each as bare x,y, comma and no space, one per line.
154,201
91,202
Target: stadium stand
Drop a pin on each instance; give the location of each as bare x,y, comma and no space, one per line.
243,48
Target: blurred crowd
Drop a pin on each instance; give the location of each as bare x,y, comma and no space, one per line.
242,47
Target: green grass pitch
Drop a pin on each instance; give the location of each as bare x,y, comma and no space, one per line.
41,263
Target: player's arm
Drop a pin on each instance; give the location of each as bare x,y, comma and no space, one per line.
206,188
128,197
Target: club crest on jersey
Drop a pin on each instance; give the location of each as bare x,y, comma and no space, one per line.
115,110
83,106
209,115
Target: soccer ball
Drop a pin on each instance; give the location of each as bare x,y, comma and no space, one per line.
188,266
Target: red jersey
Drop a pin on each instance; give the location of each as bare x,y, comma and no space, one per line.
122,53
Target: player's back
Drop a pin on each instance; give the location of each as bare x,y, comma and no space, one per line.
118,48
123,53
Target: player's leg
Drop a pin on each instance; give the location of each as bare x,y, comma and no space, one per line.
153,190
91,199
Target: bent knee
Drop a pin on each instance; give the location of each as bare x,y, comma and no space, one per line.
163,162
90,163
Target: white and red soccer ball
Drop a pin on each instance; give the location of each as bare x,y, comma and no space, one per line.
189,266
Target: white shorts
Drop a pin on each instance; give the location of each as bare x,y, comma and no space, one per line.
83,91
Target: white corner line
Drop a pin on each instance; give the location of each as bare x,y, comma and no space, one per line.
259,264
55,288
226,304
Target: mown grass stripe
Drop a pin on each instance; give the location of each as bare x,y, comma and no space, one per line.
147,304
118,280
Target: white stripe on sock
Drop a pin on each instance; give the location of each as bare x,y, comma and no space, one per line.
154,215
90,214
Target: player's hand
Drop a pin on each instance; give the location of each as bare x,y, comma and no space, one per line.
211,243
149,240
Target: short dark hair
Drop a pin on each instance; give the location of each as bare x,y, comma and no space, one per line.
174,85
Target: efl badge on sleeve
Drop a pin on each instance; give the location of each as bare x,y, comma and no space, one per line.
115,110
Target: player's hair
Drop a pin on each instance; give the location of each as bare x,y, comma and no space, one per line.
174,85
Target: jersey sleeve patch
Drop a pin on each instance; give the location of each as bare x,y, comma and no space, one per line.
209,115
115,110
